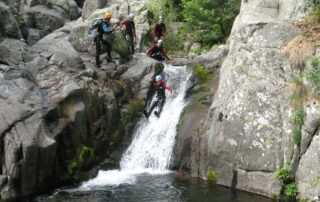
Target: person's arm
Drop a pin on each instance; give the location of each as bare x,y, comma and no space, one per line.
134,30
168,88
150,50
164,30
122,23
107,29
153,83
165,54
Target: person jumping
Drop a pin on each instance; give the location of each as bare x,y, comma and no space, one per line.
160,86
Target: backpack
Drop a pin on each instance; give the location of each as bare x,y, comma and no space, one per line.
93,31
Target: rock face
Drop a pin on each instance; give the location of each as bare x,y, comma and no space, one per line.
8,25
38,18
247,136
60,116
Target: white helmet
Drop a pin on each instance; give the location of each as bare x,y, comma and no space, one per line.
131,15
160,41
158,78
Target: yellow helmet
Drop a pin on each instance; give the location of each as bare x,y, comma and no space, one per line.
107,15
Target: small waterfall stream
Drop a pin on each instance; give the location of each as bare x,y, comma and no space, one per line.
144,173
154,138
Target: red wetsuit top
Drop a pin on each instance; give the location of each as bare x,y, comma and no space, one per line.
130,27
159,30
161,89
156,49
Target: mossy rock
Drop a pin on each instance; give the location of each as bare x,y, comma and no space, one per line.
212,176
202,74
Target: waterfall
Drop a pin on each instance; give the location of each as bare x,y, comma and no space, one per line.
153,139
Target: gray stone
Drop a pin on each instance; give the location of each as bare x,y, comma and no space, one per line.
8,25
61,51
213,58
47,19
260,182
35,35
140,71
90,6
309,170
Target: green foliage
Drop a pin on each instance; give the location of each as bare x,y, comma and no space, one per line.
298,116
312,72
300,91
282,173
121,46
85,154
316,181
291,190
203,75
297,136
209,22
212,176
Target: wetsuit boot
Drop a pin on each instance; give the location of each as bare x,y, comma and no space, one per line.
146,113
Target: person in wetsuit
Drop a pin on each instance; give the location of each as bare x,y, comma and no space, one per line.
128,27
156,52
159,29
160,86
104,28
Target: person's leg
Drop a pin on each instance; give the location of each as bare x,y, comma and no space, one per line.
132,44
97,42
153,105
160,106
109,47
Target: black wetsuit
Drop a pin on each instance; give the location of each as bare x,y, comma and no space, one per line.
130,33
157,53
103,28
159,30
160,100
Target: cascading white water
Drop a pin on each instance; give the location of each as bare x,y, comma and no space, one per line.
154,138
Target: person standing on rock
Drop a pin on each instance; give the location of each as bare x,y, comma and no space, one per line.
128,27
159,29
104,28
157,52
161,87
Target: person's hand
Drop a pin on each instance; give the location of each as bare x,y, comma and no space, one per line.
161,37
150,79
134,39
115,26
171,62
170,95
156,38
